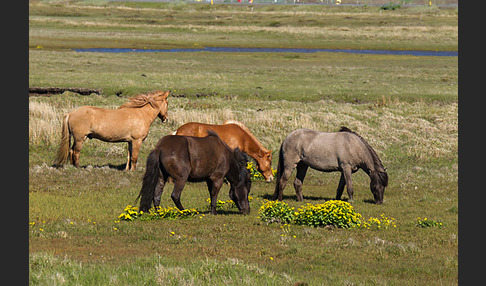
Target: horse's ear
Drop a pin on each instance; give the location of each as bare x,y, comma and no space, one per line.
162,96
262,153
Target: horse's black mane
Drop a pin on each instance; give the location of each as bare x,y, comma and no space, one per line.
239,155
377,162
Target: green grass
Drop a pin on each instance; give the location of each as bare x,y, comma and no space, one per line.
259,76
405,107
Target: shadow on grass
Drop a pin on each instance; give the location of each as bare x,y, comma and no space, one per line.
311,198
369,201
222,212
120,167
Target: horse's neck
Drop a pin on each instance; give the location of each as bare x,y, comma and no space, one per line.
148,113
233,174
254,148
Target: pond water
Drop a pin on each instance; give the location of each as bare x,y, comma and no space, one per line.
275,50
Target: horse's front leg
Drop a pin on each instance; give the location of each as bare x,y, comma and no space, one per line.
135,148
340,188
347,171
129,156
213,188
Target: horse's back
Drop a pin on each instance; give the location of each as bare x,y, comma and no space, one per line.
189,129
232,134
199,156
325,151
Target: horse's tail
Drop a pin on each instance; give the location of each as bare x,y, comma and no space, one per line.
150,181
280,169
63,151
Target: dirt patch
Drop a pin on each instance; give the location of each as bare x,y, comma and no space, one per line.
48,91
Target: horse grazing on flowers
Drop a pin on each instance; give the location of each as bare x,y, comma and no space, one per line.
236,135
129,123
196,159
343,151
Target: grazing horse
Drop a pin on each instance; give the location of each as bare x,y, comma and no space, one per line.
129,123
343,151
236,135
196,159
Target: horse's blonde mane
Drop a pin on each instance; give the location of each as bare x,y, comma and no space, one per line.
247,131
141,100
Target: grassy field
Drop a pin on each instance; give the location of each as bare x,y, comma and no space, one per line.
405,107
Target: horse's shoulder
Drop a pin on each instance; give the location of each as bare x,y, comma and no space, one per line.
348,138
303,132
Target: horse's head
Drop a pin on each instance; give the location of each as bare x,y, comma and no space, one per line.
161,99
264,165
239,192
378,182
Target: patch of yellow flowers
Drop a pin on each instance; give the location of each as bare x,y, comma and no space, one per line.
225,204
425,222
131,213
334,212
255,175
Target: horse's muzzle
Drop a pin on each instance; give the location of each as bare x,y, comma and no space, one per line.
269,179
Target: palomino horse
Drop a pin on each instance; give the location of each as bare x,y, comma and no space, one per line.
129,123
343,151
236,135
187,158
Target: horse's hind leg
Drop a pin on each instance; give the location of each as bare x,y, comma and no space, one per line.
76,150
159,188
282,180
299,180
176,193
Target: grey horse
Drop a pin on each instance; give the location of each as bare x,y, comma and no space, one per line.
343,151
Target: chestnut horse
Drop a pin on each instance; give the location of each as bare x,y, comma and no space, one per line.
236,135
188,158
344,151
129,123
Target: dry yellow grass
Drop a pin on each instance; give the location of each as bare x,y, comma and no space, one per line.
422,130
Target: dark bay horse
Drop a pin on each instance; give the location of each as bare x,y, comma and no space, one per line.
187,158
236,135
343,151
129,123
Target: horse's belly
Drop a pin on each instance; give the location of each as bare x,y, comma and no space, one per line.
322,165
109,138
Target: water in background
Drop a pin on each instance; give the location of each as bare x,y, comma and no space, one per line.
275,50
